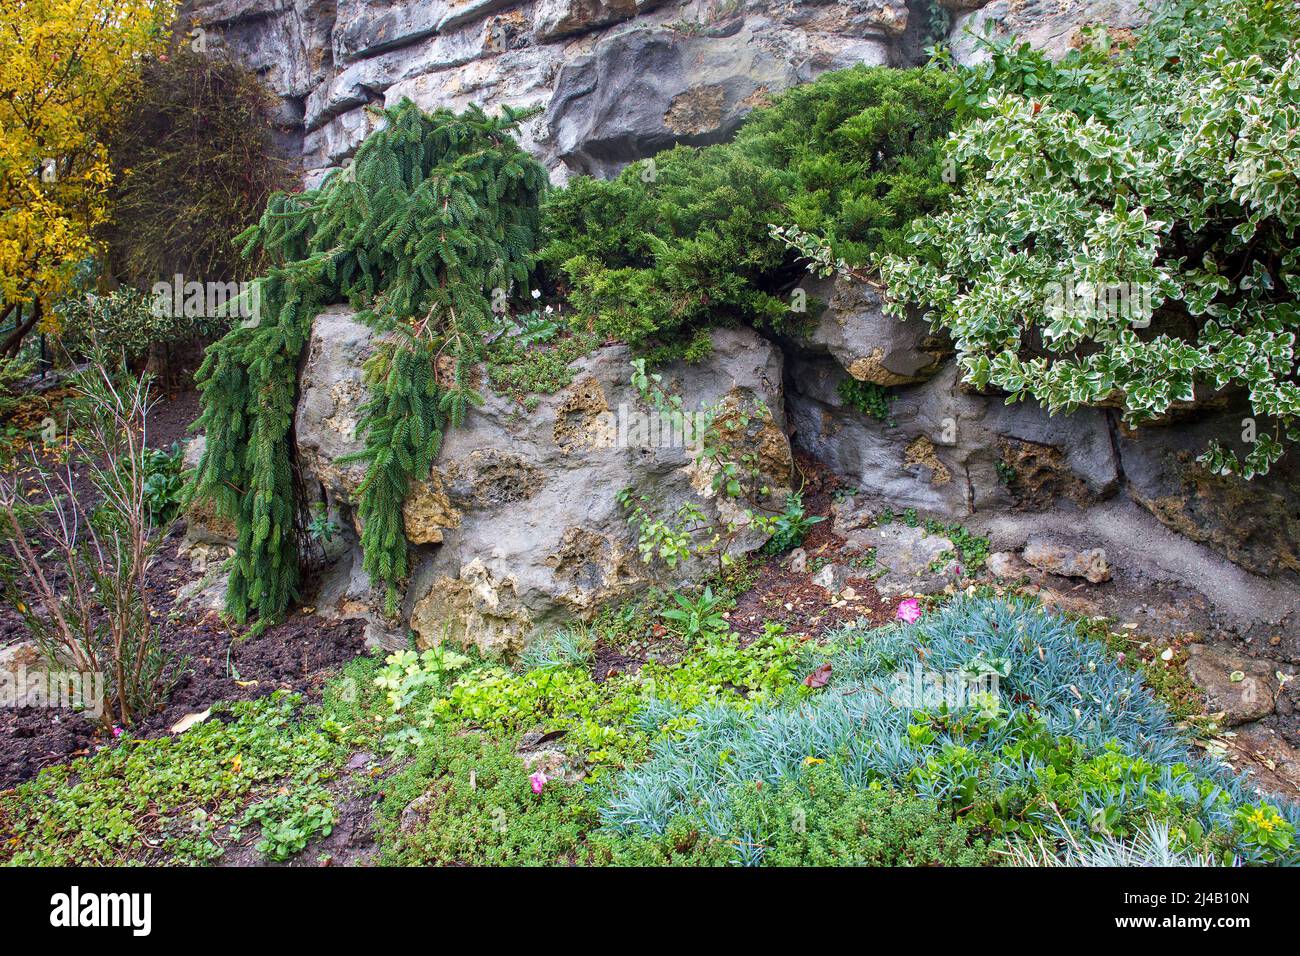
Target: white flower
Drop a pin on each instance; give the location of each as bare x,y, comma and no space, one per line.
537,293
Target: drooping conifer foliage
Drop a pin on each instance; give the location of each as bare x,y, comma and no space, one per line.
434,213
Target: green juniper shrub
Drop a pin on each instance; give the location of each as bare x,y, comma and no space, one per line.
682,241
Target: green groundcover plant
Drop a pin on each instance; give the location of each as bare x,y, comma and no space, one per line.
1125,228
1072,747
723,754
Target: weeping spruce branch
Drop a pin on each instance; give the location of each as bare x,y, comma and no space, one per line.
435,212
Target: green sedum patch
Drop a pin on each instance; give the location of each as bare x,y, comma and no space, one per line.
465,799
817,820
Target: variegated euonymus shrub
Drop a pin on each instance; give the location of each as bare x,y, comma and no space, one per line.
1125,226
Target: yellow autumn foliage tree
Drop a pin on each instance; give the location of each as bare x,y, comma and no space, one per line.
64,65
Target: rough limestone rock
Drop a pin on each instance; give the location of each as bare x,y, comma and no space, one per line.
1053,26
852,326
22,674
1242,687
832,578
645,89
204,528
1255,524
614,80
330,395
1055,557
518,525
558,19
912,560
944,450
1005,565
908,559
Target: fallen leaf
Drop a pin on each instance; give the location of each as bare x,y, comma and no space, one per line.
189,720
819,677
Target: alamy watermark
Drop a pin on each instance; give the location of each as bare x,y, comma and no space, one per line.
198,300
919,688
71,690
1131,301
630,427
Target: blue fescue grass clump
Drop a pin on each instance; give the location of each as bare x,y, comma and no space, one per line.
1073,742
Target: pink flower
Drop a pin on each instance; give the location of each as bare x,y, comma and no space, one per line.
538,780
909,610
117,731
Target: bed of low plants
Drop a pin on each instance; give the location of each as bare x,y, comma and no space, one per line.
749,764
259,768
774,752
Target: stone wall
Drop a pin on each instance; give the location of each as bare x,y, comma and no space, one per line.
612,80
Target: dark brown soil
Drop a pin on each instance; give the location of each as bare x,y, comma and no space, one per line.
608,661
780,595
295,655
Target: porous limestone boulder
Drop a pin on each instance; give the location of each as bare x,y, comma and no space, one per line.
1052,26
849,322
1057,557
944,450
518,525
